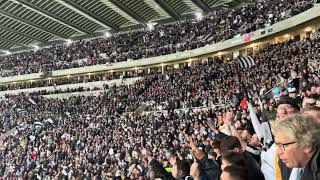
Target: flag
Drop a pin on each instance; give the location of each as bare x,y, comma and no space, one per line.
255,122
246,62
261,129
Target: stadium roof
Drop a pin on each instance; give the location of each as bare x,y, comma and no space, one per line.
24,23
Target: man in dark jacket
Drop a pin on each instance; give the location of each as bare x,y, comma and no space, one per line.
231,143
312,169
180,170
211,167
197,172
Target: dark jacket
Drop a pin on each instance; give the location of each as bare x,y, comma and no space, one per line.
211,168
312,169
285,171
255,172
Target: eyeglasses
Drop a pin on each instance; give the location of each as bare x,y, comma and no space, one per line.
286,108
284,146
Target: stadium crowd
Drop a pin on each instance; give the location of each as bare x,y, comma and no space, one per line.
183,134
68,80
164,39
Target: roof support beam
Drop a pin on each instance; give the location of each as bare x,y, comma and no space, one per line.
2,2
201,5
221,3
87,14
33,25
127,11
14,42
22,34
52,17
168,9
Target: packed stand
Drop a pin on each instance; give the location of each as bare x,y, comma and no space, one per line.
69,80
164,39
111,135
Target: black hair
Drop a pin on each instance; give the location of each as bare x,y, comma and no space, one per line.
228,143
183,166
234,158
237,172
216,144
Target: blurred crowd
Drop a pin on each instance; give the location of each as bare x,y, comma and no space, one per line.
162,40
214,120
68,80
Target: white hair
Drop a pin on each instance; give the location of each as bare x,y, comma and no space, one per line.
303,128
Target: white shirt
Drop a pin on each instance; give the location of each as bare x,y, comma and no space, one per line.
296,173
267,163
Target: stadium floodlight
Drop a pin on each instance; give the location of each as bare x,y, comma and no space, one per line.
7,52
151,26
69,41
107,34
199,16
36,47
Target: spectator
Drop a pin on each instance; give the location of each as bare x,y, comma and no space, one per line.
164,39
313,111
153,127
287,106
232,158
234,173
232,143
297,139
197,172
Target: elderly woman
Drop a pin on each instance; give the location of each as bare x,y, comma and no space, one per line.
298,140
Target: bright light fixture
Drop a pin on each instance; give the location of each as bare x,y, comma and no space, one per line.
36,47
69,41
199,16
151,26
107,34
